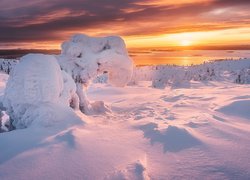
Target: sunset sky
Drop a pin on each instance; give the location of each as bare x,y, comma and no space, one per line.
142,23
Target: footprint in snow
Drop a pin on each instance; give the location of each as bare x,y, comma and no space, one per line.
134,171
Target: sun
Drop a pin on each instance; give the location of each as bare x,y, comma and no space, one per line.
186,43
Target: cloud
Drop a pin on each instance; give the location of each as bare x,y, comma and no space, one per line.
51,20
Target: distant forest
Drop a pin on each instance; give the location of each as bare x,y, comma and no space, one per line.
17,53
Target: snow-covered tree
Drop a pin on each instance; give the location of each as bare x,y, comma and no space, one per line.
84,57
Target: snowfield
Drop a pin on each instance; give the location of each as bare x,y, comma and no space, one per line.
195,126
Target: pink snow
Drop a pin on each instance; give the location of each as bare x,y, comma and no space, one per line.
172,133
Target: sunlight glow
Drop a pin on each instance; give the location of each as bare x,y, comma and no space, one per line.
185,43
237,36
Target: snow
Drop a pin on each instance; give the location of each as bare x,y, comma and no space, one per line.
84,58
189,132
236,108
5,122
33,91
237,71
6,65
41,84
171,122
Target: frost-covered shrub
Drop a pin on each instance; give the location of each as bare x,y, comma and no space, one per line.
6,65
5,124
243,77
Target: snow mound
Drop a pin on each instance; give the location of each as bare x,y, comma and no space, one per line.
35,90
237,108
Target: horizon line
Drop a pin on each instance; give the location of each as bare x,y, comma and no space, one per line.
160,48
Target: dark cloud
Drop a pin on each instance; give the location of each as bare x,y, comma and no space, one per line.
231,2
48,20
22,22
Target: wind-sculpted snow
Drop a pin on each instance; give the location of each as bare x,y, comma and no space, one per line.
238,108
174,139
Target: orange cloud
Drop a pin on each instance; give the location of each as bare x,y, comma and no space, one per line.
141,22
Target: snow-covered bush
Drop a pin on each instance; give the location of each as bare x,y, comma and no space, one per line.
36,81
243,77
6,65
5,124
